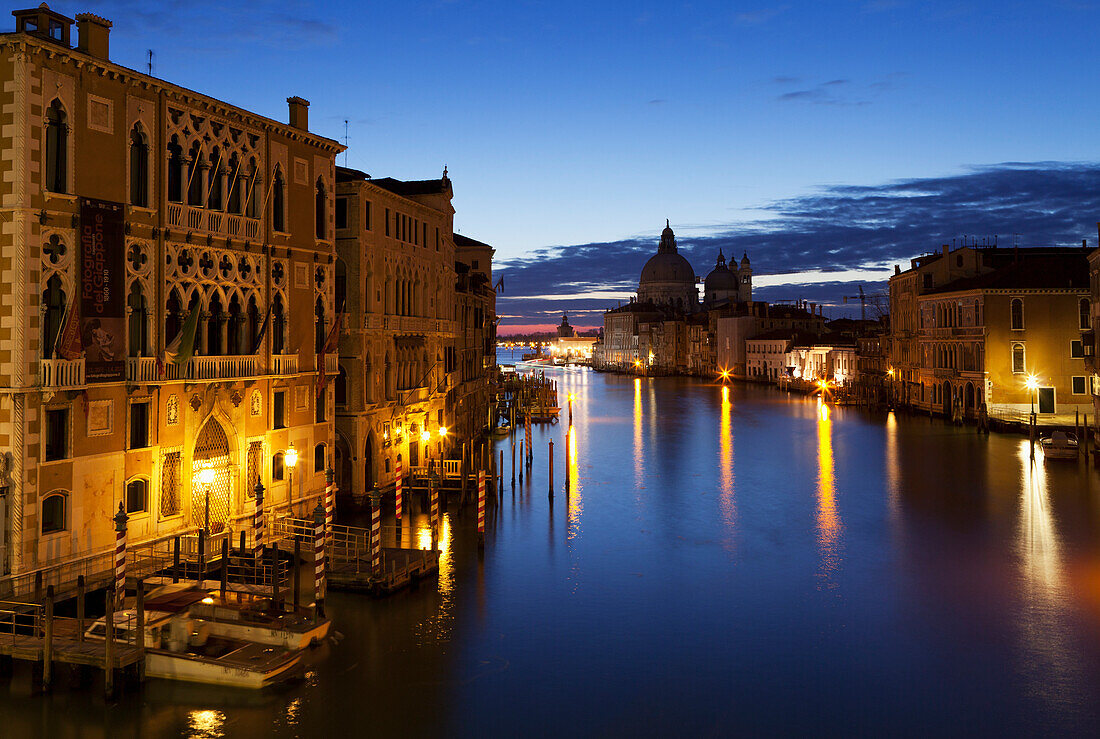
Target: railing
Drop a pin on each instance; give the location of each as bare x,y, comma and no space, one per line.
142,369
216,368
215,221
63,576
286,364
20,619
413,395
332,364
61,372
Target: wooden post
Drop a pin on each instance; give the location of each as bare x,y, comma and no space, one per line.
120,520
514,459
240,546
297,573
550,465
274,559
176,560
462,475
258,524
500,473
225,565
109,645
521,461
202,556
47,650
481,509
80,608
141,624
318,562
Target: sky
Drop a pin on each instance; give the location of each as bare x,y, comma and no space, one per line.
829,139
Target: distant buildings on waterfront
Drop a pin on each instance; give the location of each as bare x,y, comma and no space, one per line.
188,285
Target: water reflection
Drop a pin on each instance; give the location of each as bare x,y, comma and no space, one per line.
206,724
828,520
725,467
893,474
638,456
574,505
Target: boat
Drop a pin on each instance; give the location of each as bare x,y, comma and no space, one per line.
178,647
502,430
1059,445
241,616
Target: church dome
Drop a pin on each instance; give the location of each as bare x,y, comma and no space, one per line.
667,267
720,278
668,278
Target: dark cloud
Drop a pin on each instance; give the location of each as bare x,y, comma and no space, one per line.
838,91
840,228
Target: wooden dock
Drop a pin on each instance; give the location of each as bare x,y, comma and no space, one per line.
400,568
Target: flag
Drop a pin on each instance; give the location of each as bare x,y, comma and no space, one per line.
68,344
262,333
183,346
330,346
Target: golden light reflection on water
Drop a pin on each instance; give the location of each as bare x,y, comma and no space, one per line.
206,724
637,433
725,467
828,520
574,504
893,474
446,559
1040,548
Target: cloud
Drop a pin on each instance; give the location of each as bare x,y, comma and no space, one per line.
823,245
756,17
657,101
838,91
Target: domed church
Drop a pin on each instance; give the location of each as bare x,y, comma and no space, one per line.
668,278
724,283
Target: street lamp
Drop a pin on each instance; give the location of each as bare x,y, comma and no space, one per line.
290,456
206,479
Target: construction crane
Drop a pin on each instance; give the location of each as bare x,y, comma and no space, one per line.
862,303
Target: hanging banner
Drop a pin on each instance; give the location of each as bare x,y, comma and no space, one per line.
102,290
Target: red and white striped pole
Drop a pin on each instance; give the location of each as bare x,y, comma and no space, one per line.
120,553
376,530
258,522
318,560
330,492
433,493
481,508
398,494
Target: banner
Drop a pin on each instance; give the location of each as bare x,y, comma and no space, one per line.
102,290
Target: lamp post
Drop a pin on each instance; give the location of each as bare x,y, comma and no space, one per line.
206,479
1032,384
290,456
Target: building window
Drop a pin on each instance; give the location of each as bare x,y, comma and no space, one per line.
319,458
170,485
1018,359
927,282
255,464
139,425
1076,349
175,172
53,513
341,212
53,300
139,168
1078,385
1017,312
278,326
137,496
321,209
138,322
341,387
57,433
319,408
277,467
57,146
366,216
278,410
387,221
1084,309
278,202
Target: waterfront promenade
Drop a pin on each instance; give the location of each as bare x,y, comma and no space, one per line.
722,562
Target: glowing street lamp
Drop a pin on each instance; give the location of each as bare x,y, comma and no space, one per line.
724,374
290,457
1032,384
206,479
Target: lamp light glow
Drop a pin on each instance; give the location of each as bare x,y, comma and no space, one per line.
206,474
291,456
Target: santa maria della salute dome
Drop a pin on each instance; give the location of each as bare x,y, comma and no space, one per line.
668,279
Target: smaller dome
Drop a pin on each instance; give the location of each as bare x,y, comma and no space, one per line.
720,278
745,260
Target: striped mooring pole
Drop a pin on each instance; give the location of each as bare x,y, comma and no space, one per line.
258,522
481,508
376,529
330,500
319,560
120,553
433,496
397,494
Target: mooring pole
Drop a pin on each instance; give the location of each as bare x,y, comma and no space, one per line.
514,461
297,573
47,648
481,509
500,473
176,560
550,465
80,608
141,624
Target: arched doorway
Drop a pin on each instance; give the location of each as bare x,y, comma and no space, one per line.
946,397
342,466
210,503
968,398
368,464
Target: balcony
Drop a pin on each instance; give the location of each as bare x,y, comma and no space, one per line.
332,364
142,369
413,395
61,372
285,364
212,221
212,368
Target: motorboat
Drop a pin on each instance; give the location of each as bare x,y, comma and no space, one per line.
178,647
1059,445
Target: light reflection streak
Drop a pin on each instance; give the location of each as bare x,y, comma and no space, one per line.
828,520
725,450
574,504
206,723
893,473
637,433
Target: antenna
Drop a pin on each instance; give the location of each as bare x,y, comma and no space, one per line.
149,61
345,142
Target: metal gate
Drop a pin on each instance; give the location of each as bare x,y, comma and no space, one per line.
211,502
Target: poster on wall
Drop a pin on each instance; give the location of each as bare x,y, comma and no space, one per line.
102,290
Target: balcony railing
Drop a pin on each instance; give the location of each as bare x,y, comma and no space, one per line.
284,364
332,364
214,221
61,372
142,369
212,368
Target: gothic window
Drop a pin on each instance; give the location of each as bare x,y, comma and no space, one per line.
214,346
175,171
234,205
54,513
138,322
214,180
1018,366
1017,311
139,168
53,300
233,329
278,203
253,326
57,143
319,331
194,177
172,318
321,209
253,191
278,326
170,485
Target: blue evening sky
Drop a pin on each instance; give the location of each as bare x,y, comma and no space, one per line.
569,123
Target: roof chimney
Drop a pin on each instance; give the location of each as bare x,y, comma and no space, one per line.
299,113
946,249
93,35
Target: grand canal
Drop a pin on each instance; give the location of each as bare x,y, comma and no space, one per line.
723,562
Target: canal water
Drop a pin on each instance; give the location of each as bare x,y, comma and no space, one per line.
722,562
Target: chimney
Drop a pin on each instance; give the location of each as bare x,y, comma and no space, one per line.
299,113
945,249
93,35
813,308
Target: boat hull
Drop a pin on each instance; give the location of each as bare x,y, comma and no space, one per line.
190,668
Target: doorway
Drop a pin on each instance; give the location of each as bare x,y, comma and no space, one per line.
1046,400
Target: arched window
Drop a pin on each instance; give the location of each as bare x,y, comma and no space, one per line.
214,346
321,209
233,328
57,148
253,328
1017,311
234,173
137,496
277,471
319,331
319,458
194,177
138,322
341,387
172,318
54,513
341,286
1018,365
278,326
278,202
368,381
1085,314
214,180
253,190
53,298
139,168
175,171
